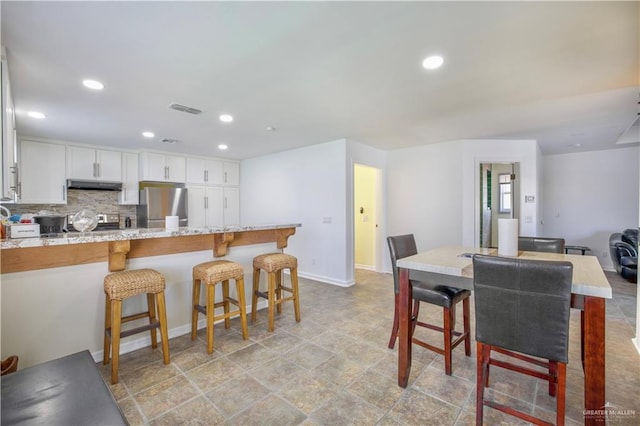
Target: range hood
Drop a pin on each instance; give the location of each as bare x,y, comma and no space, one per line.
94,184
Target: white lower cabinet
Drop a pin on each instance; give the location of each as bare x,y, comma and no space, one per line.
205,206
213,206
42,173
231,206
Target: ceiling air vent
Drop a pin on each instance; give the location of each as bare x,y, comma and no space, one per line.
170,141
184,108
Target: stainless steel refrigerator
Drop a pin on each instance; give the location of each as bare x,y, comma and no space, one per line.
159,201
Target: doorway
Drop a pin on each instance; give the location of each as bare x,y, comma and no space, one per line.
367,184
499,193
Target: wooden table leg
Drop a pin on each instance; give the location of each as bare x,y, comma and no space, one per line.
404,332
594,360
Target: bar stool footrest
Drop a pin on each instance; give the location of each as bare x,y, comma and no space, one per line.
136,330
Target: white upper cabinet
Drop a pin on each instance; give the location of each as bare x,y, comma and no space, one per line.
94,164
42,173
130,193
162,167
9,150
231,173
205,206
204,171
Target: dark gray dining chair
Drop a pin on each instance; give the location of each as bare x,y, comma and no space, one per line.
522,310
543,244
402,246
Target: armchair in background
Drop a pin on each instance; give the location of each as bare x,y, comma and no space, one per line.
623,248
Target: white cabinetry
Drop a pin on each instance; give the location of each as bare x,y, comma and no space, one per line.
94,164
8,151
231,203
231,173
204,171
162,167
42,173
130,193
205,206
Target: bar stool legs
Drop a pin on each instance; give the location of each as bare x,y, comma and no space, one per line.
274,264
211,274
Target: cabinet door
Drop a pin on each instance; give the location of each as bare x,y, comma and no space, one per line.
231,206
109,165
153,166
42,179
215,206
176,169
196,170
215,172
81,163
130,193
196,206
231,173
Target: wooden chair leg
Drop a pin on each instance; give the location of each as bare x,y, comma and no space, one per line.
296,293
416,314
116,316
106,353
164,331
278,275
447,326
466,326
243,307
195,300
151,308
254,293
561,397
211,290
271,299
553,373
394,327
481,364
225,303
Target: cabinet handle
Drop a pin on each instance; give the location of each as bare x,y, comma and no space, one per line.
166,172
225,177
98,169
15,182
206,175
206,202
94,170
64,193
225,202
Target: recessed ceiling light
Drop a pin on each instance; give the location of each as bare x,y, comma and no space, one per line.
222,147
433,62
36,114
93,84
226,118
271,129
576,144
148,134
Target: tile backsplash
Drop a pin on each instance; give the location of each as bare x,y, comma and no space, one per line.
78,199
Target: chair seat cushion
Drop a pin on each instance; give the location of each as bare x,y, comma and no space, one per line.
439,295
629,262
217,271
123,284
272,262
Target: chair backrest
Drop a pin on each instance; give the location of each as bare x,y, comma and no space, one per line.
400,247
523,305
549,245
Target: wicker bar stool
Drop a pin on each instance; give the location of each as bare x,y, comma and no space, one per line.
273,264
124,284
210,274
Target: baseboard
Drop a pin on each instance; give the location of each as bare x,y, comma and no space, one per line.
365,267
145,340
326,280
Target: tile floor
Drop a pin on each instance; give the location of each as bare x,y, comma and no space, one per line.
334,368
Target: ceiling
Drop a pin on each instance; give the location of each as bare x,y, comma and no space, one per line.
560,73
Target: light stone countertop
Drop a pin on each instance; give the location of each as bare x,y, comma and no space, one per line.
455,261
131,234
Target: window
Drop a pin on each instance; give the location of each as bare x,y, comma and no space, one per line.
504,180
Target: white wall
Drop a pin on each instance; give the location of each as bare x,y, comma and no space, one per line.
424,194
590,195
304,186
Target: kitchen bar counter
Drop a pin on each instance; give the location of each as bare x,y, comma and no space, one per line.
74,248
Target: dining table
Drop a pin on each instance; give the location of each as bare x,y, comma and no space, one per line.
453,266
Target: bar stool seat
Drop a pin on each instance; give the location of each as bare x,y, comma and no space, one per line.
210,274
273,264
122,285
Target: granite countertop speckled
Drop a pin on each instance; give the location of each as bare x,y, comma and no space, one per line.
131,234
